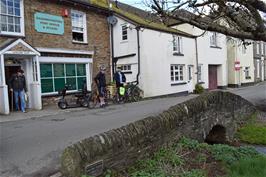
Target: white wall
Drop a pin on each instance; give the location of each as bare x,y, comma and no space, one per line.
235,53
156,58
156,53
208,55
122,48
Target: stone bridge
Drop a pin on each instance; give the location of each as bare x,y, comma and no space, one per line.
213,117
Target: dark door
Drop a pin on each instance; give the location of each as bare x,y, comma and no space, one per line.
212,77
9,71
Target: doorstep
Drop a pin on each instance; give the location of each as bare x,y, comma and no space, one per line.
33,114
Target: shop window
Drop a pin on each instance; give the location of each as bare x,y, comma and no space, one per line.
79,26
124,32
177,73
11,17
177,44
55,76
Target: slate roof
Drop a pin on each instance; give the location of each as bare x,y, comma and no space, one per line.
138,16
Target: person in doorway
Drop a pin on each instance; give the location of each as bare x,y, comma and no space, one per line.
120,79
17,85
101,85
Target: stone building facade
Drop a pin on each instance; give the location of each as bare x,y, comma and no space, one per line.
55,43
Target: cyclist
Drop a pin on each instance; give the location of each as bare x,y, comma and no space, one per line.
120,79
101,84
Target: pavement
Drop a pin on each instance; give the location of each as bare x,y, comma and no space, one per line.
31,143
31,147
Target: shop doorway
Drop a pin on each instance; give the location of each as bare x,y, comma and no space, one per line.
9,71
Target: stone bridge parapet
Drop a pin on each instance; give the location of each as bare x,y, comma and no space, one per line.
119,148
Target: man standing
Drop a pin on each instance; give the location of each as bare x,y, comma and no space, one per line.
120,79
101,84
17,85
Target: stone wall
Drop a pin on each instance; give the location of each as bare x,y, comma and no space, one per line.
122,147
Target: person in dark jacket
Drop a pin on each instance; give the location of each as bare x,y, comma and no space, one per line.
17,85
120,79
101,85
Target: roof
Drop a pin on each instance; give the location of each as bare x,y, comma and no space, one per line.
138,16
6,43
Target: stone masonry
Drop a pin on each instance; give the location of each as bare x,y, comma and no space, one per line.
97,29
121,147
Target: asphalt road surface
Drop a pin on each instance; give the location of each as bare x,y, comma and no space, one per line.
32,147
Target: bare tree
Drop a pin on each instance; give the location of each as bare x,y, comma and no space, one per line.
243,19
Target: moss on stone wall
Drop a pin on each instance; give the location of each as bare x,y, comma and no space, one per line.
121,147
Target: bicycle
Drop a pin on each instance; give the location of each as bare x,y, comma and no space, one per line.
132,94
95,98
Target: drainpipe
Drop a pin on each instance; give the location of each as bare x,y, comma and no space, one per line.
112,48
138,43
197,59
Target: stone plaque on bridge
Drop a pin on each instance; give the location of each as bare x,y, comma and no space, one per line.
94,169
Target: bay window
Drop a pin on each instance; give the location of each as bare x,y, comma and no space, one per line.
11,17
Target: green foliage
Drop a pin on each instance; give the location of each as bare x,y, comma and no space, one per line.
229,154
192,144
194,173
253,167
199,89
253,134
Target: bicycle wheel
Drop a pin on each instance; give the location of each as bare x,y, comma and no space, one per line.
94,100
135,96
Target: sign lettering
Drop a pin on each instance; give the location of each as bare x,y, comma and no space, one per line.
46,23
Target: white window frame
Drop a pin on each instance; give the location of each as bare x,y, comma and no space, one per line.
244,49
177,44
126,67
22,26
179,80
200,76
258,48
85,32
258,68
214,39
123,29
247,72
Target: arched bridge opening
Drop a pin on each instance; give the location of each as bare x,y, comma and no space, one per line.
217,135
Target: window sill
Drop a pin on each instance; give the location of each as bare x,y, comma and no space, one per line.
78,42
216,47
179,83
201,82
248,78
127,72
12,35
125,41
178,54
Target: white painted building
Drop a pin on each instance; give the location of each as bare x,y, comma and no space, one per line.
211,58
166,57
240,63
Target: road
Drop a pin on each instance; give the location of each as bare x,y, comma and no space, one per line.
32,147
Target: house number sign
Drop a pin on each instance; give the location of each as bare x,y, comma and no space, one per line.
46,23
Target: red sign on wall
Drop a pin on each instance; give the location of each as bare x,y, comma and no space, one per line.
237,65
